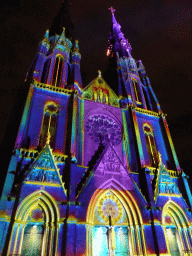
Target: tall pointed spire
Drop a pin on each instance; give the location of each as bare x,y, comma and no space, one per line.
118,44
61,20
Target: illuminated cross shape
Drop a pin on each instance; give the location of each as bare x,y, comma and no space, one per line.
112,9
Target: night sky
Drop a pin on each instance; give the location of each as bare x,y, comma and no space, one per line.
160,33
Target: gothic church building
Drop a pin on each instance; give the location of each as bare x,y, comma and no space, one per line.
93,172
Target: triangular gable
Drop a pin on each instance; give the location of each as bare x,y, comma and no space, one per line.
99,91
44,170
109,162
164,182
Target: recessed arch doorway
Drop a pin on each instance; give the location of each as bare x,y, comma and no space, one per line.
114,225
36,227
177,230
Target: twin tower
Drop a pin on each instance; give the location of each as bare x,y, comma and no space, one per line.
93,172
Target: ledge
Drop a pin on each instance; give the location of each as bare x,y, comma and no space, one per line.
52,88
145,111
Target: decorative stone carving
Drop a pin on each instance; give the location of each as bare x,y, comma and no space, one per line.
43,176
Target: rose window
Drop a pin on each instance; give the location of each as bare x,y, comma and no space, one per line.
103,128
109,206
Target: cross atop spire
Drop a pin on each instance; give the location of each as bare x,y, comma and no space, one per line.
113,16
117,41
112,9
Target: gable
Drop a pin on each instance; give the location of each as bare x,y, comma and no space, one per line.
44,171
165,185
99,91
107,165
110,163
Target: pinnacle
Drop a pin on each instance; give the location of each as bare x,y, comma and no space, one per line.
117,41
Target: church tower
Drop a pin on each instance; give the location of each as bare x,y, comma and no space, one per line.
93,172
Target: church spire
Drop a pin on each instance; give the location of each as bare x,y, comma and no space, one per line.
118,44
61,20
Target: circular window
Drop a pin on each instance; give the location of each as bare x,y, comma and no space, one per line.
103,128
109,206
51,108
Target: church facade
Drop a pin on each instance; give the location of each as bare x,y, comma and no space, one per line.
93,172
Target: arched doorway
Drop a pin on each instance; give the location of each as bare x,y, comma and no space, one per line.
114,225
177,230
36,227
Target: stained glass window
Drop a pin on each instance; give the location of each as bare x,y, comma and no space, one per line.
32,240
173,241
100,247
103,128
122,247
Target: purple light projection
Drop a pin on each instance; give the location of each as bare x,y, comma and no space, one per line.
102,127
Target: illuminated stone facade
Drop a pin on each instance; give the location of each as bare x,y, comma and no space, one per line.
93,173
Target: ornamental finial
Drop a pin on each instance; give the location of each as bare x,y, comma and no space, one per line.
99,73
160,158
76,46
48,138
112,9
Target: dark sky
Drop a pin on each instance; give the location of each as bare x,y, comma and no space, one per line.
160,33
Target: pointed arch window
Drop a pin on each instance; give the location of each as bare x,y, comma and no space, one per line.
45,72
49,124
57,72
151,145
136,90
101,95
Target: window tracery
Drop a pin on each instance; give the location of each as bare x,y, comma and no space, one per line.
151,145
136,90
103,128
49,124
101,95
109,206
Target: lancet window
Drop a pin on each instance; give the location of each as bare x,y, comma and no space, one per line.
57,72
177,230
151,145
101,95
112,232
136,90
45,71
49,124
